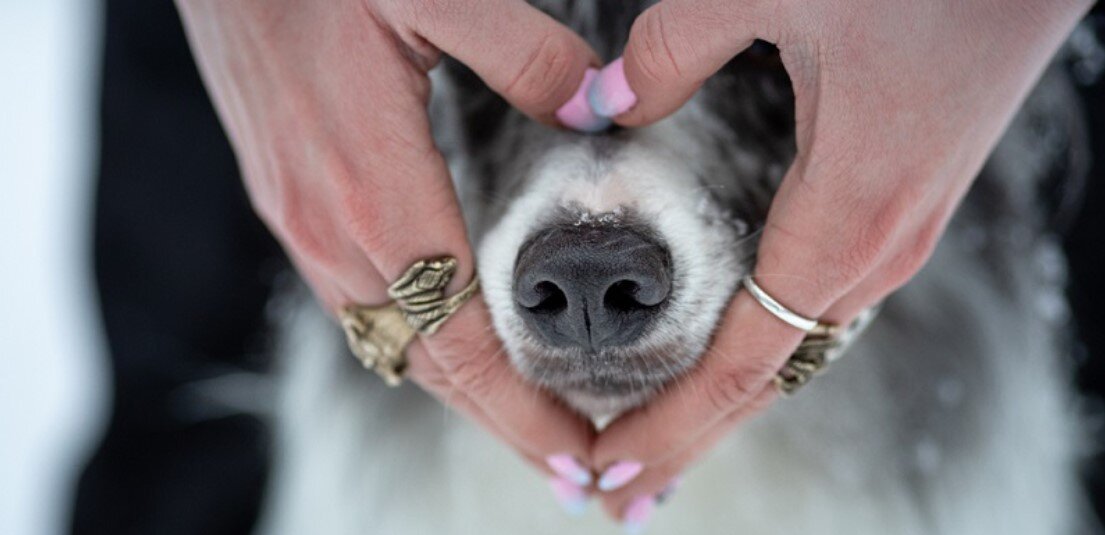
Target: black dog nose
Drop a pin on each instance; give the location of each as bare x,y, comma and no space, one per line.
591,287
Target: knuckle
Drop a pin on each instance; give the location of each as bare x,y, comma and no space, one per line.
371,230
433,380
545,74
475,377
915,254
471,371
372,233
310,237
852,263
656,57
733,387
874,232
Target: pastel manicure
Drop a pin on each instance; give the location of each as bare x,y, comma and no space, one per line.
610,95
618,474
577,113
637,514
569,468
571,497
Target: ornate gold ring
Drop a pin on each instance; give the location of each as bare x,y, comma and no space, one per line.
379,335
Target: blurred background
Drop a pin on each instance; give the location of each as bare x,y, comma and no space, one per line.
52,370
103,149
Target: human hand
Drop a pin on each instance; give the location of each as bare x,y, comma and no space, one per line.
325,105
898,104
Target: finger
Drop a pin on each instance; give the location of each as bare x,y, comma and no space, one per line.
659,478
746,353
471,357
533,61
326,289
382,182
432,379
673,47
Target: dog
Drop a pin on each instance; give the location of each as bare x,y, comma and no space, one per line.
953,413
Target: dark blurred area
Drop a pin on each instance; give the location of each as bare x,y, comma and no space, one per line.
1086,253
184,271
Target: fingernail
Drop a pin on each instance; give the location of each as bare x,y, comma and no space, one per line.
577,113
637,515
571,497
618,474
569,468
672,486
610,95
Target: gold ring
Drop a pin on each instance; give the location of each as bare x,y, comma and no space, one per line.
810,359
379,335
823,343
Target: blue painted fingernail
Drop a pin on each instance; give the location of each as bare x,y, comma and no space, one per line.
637,515
610,95
618,474
571,497
569,468
577,113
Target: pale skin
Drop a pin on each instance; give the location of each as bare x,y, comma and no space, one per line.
898,104
325,105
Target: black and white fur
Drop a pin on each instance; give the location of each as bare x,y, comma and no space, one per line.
952,414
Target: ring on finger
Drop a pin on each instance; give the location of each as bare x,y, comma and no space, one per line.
379,335
823,343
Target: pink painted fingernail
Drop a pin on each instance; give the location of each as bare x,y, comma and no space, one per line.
569,468
618,474
610,95
637,514
577,113
571,497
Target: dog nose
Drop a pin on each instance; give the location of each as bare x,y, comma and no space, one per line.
591,287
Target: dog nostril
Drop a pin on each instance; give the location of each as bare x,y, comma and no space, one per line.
627,296
550,298
620,296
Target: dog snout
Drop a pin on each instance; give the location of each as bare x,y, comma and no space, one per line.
591,287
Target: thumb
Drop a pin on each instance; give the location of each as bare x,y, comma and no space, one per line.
530,59
673,47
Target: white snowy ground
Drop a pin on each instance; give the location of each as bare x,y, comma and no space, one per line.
52,378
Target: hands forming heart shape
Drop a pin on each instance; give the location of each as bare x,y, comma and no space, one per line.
898,104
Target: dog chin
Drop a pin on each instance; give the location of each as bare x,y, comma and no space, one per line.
601,387
603,408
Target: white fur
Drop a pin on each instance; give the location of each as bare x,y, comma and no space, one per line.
651,179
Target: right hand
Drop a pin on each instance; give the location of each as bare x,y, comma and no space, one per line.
325,105
898,103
